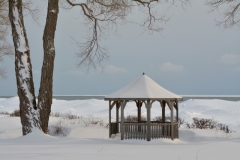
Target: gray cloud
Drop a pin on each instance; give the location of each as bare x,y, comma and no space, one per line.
236,69
230,59
114,69
170,67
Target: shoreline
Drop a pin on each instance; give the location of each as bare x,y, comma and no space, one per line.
101,97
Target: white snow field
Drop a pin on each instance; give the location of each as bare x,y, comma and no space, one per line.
89,141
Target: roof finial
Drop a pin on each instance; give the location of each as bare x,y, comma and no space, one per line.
143,73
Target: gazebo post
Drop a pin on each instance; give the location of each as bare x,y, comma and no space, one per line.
139,111
110,126
176,107
123,104
122,120
163,111
117,115
148,120
139,105
163,116
172,130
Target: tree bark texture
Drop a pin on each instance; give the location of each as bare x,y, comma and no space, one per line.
46,84
23,68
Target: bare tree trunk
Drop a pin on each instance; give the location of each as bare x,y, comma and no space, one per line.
45,91
23,68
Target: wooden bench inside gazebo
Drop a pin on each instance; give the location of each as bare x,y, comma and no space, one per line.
144,91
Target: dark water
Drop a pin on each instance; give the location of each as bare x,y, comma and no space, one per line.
187,97
82,97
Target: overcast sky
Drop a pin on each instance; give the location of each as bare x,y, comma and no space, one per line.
190,56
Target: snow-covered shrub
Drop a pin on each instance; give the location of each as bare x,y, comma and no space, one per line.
55,114
71,116
92,121
16,113
180,122
58,129
101,122
157,118
133,118
66,115
188,125
204,123
223,127
168,119
4,113
207,123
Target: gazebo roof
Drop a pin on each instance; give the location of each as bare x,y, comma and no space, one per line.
142,88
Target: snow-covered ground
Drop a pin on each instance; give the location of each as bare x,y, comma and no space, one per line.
84,140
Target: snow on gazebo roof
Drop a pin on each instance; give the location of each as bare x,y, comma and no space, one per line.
142,87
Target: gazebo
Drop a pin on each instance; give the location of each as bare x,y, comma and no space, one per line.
143,90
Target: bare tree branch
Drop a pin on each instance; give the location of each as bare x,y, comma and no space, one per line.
33,11
100,15
153,21
5,47
104,14
231,16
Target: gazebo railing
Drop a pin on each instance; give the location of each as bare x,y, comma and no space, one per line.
114,126
135,130
158,130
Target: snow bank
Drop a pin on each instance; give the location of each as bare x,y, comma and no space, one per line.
226,112
92,142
